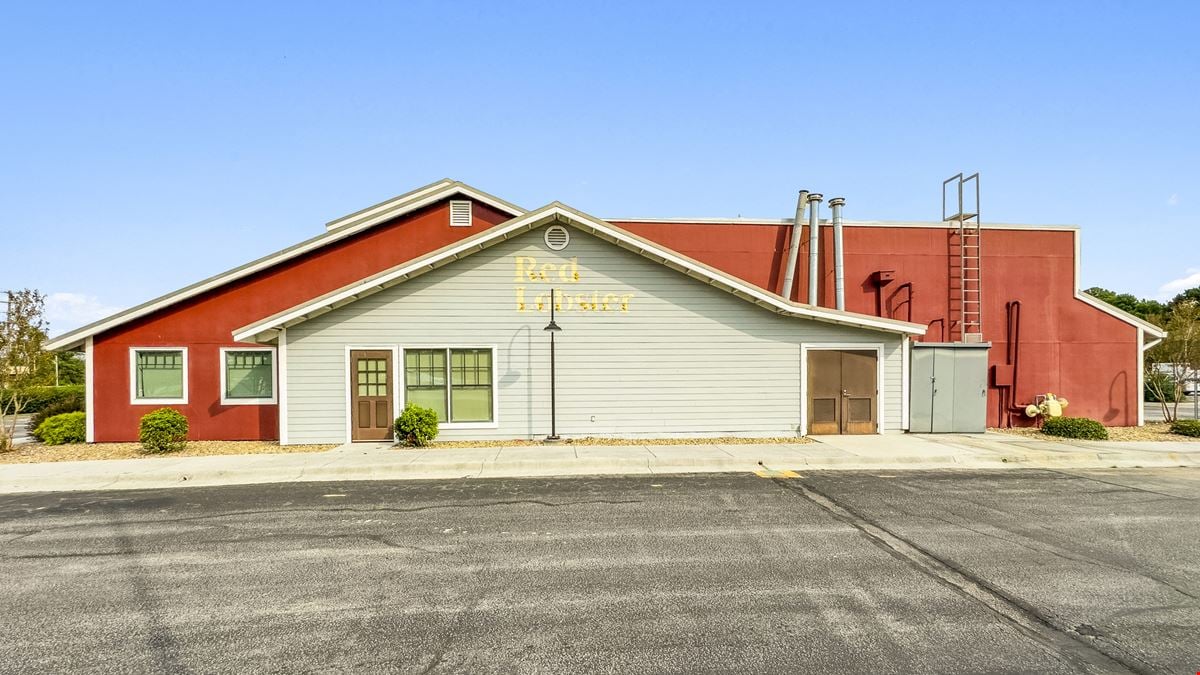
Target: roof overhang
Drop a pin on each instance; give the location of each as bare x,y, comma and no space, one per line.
267,329
336,230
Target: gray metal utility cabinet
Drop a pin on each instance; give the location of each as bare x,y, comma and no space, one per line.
949,387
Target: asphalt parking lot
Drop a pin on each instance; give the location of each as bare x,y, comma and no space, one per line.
1006,571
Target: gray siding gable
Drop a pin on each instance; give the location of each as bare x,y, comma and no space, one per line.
645,350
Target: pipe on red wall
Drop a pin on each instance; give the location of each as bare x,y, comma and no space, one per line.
1012,358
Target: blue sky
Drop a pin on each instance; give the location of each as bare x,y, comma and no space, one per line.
148,145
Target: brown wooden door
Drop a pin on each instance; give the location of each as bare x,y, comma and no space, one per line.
842,391
371,395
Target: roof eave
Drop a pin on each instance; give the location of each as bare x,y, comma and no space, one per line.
557,211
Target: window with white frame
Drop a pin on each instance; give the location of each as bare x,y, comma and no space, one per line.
247,375
455,382
158,374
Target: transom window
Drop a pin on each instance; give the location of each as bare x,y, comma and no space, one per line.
457,383
248,376
159,375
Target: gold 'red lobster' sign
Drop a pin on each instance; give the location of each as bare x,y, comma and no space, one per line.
528,271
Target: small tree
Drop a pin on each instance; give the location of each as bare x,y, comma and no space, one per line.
22,361
1177,357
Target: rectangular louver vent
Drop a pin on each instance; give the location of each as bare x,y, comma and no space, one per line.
460,214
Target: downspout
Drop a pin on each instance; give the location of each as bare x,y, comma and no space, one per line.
789,273
814,245
839,277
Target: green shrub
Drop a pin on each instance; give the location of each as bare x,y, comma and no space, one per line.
1075,427
417,425
1186,428
67,404
163,430
35,399
66,428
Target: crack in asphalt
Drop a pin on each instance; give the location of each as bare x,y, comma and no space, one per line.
1088,653
1056,553
1074,476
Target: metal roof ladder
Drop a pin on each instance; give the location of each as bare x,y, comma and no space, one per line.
962,211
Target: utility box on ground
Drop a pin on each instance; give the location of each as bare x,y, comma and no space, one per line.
948,389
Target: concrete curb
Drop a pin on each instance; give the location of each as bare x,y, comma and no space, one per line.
323,467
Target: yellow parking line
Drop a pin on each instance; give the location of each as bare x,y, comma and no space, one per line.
767,473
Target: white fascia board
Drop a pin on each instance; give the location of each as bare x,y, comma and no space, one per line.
362,214
76,337
847,223
562,213
387,211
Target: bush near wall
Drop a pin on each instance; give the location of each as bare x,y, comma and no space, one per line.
163,430
35,399
1075,427
63,406
1186,428
417,425
66,428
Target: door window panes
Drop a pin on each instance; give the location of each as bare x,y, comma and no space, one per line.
372,377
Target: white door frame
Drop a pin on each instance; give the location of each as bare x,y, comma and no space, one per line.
806,347
394,349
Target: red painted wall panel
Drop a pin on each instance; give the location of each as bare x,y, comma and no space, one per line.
205,323
1068,347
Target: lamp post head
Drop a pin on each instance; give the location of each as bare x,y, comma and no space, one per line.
552,327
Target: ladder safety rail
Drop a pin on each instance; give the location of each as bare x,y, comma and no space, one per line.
964,215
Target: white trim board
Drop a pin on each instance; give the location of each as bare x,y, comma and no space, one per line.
89,381
805,348
394,349
281,394
353,224
557,212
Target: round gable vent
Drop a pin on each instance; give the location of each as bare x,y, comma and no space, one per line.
557,237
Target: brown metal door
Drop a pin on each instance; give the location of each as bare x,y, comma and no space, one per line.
824,392
859,369
371,395
842,392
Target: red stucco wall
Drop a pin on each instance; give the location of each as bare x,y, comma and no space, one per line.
205,323
1068,347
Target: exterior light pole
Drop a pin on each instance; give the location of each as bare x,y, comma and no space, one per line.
552,328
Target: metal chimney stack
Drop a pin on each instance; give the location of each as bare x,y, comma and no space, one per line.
789,273
839,275
814,239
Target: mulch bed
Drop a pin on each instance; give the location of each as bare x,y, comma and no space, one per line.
1153,431
37,452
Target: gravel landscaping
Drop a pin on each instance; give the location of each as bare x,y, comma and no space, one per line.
1153,431
36,452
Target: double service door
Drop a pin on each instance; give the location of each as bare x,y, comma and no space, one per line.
842,391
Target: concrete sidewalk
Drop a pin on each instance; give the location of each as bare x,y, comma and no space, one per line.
385,462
